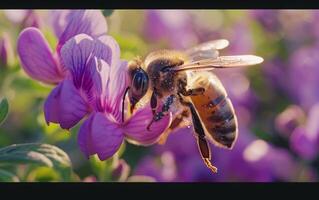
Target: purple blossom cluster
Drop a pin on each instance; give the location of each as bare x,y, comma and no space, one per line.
296,76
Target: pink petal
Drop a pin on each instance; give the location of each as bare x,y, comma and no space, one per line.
302,144
118,82
15,16
113,54
135,128
85,139
90,22
101,135
6,50
58,20
36,57
85,58
65,106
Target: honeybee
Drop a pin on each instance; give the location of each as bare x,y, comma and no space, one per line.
183,78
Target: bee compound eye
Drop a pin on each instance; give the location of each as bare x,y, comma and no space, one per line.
139,84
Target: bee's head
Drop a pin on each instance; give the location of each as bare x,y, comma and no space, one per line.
139,82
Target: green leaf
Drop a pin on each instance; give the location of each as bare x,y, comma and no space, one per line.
102,169
6,176
38,154
4,109
43,174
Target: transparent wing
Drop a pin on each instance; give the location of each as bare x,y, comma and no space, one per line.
206,50
210,45
221,62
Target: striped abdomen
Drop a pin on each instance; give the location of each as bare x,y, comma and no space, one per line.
215,109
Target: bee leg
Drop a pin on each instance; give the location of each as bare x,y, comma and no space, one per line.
175,124
159,115
201,141
153,101
193,92
123,102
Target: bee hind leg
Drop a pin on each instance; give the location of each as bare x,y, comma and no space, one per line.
205,153
201,141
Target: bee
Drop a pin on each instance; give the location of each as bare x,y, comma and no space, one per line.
183,78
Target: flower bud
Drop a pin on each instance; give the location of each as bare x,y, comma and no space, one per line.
121,171
289,119
5,50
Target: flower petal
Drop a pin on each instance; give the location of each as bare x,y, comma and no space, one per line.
90,22
302,144
36,57
85,139
84,57
135,128
32,19
113,54
65,106
99,134
76,56
15,16
59,19
6,50
118,82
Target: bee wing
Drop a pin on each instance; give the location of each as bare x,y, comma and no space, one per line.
210,45
221,62
206,50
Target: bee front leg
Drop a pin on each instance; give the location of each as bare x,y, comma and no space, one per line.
159,115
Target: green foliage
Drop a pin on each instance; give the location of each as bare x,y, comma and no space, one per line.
38,154
107,12
131,46
104,169
7,176
4,109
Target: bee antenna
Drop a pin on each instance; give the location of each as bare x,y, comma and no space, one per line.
123,102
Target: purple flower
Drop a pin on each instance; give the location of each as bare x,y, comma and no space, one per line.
240,38
305,139
121,171
90,79
162,170
95,87
170,26
274,71
36,56
26,18
268,19
6,50
289,119
303,76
